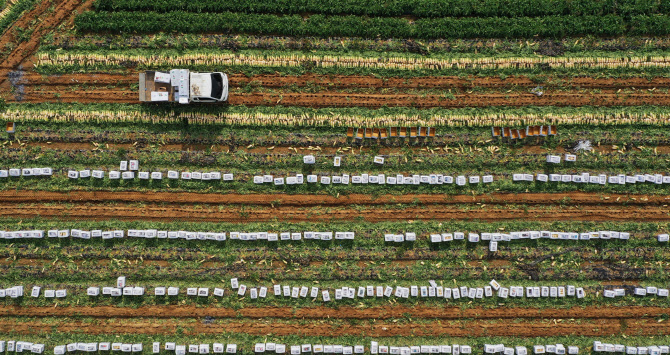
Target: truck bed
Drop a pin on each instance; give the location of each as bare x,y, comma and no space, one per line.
147,85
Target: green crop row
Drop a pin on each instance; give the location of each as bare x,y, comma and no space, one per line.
357,26
449,48
420,8
559,270
311,121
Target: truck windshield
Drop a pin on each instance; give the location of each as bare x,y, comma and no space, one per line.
217,86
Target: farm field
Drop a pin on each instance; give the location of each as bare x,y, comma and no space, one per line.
386,177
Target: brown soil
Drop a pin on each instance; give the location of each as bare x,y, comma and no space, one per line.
354,81
338,99
468,328
155,212
280,199
387,312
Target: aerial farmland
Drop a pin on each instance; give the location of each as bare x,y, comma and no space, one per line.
486,177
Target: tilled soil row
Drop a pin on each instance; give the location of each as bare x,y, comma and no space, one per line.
291,214
597,327
338,99
357,81
389,312
49,16
280,199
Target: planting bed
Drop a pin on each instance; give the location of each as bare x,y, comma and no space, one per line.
305,78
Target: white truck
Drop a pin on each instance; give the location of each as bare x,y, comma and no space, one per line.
183,86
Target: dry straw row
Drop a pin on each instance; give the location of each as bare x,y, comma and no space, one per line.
350,61
338,120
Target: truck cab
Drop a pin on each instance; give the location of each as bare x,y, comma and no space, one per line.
209,87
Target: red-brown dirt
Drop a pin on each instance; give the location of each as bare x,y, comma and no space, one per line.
355,81
387,312
339,99
281,199
466,328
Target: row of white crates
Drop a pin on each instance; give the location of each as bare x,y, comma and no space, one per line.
278,348
313,235
380,179
454,349
599,347
146,175
638,291
396,179
558,349
507,237
600,179
17,291
351,293
188,235
433,290
217,348
25,172
21,347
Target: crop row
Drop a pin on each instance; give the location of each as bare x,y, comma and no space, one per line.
422,8
148,59
331,264
638,253
283,138
46,272
584,47
371,27
240,116
449,161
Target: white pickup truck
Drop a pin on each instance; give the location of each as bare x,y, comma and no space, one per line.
183,86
